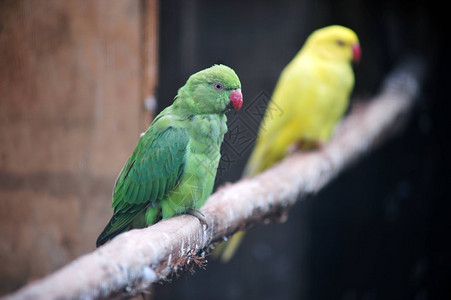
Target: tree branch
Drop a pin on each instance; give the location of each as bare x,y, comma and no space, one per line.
134,260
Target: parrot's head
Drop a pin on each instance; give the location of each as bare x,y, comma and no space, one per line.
336,43
214,91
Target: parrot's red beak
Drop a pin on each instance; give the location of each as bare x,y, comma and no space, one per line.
356,52
236,99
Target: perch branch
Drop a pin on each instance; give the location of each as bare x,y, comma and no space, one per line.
130,263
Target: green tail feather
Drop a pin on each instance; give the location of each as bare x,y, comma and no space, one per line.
108,234
121,222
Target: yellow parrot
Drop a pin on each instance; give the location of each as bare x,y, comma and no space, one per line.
312,95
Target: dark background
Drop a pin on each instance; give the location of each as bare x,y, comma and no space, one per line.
379,231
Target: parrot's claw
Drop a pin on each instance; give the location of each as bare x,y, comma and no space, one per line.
200,216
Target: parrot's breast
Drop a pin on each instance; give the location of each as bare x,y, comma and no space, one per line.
202,158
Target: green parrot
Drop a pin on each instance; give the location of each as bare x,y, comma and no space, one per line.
173,167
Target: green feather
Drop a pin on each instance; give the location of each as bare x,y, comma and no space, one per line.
140,183
162,188
178,153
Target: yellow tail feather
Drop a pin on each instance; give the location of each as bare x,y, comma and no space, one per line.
226,250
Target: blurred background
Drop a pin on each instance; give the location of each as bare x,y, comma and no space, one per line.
79,81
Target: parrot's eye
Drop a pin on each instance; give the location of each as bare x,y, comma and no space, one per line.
340,43
218,86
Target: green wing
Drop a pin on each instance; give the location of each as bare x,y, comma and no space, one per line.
153,170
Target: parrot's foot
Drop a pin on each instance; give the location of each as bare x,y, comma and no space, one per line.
315,145
200,216
305,145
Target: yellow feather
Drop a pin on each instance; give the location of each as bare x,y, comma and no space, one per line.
312,94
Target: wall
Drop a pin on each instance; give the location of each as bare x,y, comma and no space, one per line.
70,114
